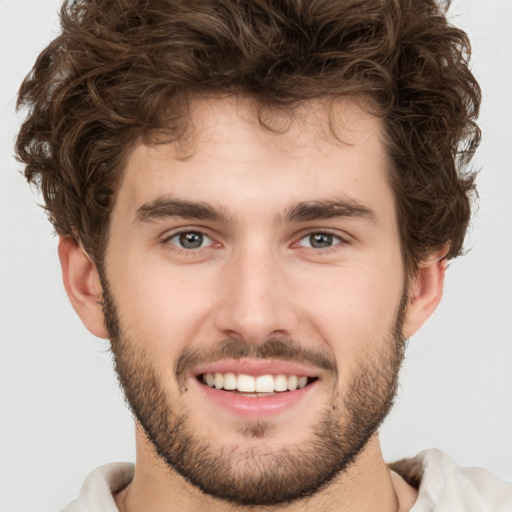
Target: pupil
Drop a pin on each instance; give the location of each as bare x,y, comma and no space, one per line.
191,240
321,240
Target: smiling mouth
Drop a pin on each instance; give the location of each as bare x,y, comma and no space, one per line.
254,386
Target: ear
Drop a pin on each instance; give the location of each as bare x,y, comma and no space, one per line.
83,286
425,292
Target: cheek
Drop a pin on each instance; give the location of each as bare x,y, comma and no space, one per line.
162,306
352,309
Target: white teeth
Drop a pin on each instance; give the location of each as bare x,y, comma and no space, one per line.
302,381
293,382
265,384
230,381
249,384
219,380
245,383
280,383
210,379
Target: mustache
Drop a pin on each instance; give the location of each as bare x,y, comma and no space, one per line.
285,349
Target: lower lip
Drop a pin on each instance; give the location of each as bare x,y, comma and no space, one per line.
258,406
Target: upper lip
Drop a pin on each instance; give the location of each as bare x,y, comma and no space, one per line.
255,367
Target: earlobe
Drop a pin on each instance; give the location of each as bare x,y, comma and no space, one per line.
82,283
425,292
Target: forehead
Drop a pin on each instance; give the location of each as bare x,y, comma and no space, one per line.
237,155
312,125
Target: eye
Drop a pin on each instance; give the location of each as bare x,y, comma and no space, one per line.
190,240
320,240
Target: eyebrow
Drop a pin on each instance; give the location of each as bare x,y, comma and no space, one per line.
166,207
329,209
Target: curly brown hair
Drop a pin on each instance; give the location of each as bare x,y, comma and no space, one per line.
125,70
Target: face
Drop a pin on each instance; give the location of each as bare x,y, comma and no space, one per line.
254,296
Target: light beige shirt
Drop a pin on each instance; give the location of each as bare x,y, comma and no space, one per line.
442,486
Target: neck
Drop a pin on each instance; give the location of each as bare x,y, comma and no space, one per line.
367,485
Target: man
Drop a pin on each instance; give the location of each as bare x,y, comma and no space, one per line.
256,203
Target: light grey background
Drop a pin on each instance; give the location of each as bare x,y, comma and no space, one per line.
61,413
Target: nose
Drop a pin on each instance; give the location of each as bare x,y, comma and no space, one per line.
256,299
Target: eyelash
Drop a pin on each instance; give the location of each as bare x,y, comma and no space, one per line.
323,250
167,240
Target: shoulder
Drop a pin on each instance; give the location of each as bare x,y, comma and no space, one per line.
98,488
446,487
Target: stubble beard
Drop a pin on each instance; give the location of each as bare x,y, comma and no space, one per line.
243,476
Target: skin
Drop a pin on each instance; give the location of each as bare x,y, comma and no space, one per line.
256,276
